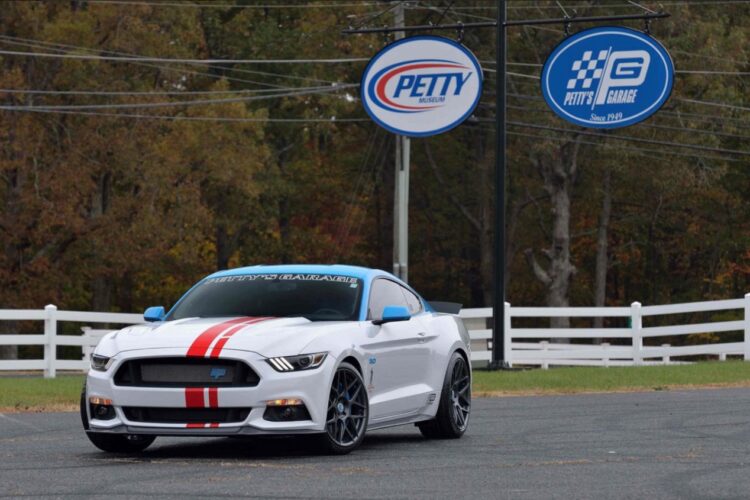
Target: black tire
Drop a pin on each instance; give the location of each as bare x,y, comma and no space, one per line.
347,412
113,443
452,417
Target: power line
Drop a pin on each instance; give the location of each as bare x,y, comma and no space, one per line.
709,72
199,118
198,102
197,5
53,46
89,57
606,6
629,148
644,124
631,138
679,114
56,46
679,71
145,93
717,104
715,58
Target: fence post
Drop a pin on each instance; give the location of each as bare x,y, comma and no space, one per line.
50,340
636,328
605,354
747,327
545,347
666,359
507,338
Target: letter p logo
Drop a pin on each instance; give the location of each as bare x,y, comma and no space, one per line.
627,68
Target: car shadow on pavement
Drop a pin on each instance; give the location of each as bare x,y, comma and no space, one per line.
256,447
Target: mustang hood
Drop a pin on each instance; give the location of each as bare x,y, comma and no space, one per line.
204,337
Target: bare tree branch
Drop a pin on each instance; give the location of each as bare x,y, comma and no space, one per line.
461,207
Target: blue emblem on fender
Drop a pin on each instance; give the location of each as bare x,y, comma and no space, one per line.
217,373
607,77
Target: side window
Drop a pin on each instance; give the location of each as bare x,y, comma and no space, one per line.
412,301
384,293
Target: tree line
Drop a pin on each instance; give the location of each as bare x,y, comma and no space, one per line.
123,182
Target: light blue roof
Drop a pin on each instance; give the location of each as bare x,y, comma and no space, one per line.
362,273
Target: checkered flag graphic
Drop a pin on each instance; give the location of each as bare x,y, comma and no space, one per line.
588,69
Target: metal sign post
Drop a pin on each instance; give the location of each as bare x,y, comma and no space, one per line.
498,296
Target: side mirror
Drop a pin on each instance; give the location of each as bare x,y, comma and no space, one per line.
155,313
393,313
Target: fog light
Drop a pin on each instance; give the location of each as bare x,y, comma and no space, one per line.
287,413
101,408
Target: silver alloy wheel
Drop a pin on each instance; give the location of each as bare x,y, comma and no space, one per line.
460,395
347,408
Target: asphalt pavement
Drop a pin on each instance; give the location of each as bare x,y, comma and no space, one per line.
691,444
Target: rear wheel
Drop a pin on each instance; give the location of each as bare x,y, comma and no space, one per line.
347,412
452,417
114,443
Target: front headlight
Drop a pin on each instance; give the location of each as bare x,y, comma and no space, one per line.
100,363
297,363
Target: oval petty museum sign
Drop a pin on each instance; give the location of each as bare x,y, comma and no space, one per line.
607,77
421,86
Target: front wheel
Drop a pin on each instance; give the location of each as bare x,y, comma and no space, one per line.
347,412
452,417
114,443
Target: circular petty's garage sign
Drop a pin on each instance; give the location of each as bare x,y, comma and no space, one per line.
421,86
608,77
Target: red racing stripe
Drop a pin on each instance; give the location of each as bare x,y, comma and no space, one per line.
194,397
225,338
194,426
213,397
200,345
213,425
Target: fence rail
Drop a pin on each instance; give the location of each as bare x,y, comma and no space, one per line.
542,347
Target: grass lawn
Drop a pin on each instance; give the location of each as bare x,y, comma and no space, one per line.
595,379
34,393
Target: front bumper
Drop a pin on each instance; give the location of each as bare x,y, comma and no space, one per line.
311,386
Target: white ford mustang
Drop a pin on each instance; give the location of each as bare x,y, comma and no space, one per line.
326,350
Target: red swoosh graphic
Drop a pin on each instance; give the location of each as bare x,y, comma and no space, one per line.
380,88
225,338
200,345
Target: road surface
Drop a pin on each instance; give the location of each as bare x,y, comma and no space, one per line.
681,444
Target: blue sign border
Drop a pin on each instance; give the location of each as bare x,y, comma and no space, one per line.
643,115
456,123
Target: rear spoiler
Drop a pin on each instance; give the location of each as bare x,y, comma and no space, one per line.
446,307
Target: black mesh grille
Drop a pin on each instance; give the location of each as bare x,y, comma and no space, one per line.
185,415
185,372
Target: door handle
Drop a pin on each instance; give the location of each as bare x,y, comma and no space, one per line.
421,334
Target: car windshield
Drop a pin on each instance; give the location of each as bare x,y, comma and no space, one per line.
317,297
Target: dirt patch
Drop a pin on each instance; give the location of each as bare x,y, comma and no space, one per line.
47,408
572,391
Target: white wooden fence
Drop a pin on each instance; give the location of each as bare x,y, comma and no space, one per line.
620,346
50,339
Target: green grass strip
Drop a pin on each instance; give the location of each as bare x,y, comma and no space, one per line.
34,393
596,379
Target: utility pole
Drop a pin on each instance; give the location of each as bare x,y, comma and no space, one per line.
401,192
